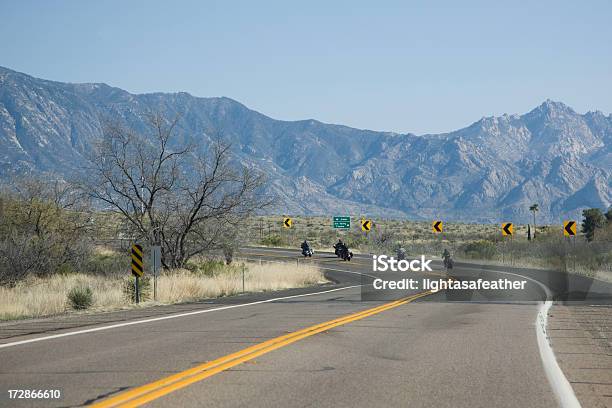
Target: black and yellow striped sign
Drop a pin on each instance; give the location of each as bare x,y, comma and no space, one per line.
137,268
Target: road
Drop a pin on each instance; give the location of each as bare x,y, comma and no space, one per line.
320,346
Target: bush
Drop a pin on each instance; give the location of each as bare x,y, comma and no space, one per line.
228,253
107,262
43,230
480,250
80,297
272,240
144,286
207,267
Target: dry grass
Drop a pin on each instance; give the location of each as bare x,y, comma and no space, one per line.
182,286
45,297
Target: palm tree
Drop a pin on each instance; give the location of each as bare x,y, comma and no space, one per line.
534,209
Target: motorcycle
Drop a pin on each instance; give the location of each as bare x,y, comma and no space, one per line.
345,254
307,252
448,263
401,254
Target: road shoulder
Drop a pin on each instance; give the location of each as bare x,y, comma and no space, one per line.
581,337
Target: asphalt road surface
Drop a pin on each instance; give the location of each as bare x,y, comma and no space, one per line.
321,346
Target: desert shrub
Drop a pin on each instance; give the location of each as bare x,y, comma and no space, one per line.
480,250
80,297
228,253
207,267
144,286
106,262
66,269
272,240
355,240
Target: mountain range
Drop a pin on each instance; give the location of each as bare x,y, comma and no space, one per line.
490,171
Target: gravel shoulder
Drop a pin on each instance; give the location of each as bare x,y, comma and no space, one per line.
581,338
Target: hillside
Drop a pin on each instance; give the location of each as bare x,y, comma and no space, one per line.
493,169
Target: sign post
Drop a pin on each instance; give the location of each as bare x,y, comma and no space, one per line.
508,230
155,267
137,269
569,230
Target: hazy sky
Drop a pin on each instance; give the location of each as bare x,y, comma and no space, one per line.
420,67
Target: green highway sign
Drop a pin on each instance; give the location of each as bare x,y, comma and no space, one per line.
342,222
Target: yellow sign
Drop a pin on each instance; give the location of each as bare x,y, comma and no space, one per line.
437,226
569,228
366,225
507,229
137,268
287,222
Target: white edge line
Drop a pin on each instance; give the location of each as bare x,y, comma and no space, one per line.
558,381
156,319
173,316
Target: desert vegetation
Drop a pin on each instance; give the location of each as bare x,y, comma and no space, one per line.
64,245
541,246
210,278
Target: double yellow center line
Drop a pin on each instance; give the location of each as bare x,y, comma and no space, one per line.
152,391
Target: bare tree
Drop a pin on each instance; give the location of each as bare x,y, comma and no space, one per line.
182,199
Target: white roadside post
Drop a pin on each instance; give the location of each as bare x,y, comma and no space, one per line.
155,266
243,267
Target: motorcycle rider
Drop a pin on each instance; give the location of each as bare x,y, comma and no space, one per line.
448,261
339,247
401,253
342,251
305,247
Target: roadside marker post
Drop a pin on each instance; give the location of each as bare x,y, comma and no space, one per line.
508,230
569,230
243,267
155,267
137,268
437,226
